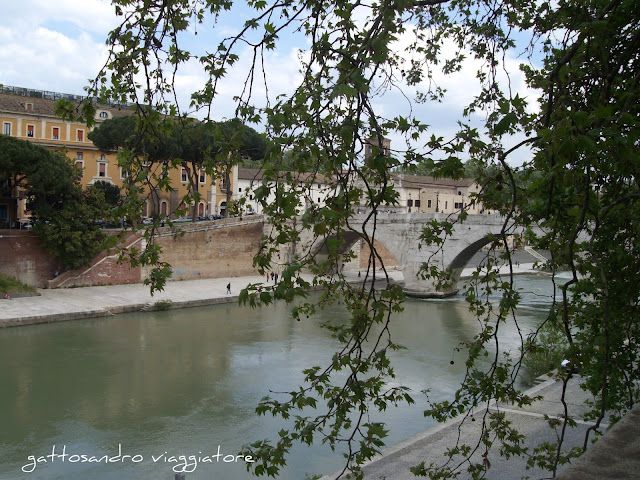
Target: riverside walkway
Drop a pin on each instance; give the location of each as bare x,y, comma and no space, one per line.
89,302
615,456
53,305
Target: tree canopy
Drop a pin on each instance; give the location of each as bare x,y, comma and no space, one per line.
576,129
210,146
64,214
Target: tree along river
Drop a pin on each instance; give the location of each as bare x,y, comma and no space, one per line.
136,395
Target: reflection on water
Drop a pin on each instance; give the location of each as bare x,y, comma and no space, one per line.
187,381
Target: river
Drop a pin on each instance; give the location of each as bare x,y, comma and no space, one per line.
160,385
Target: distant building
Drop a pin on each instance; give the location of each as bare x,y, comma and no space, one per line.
315,188
421,194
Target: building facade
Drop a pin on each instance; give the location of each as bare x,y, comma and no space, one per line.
316,189
422,194
30,115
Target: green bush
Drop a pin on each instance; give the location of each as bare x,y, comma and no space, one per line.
10,284
162,305
545,352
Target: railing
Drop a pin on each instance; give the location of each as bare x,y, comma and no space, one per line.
33,93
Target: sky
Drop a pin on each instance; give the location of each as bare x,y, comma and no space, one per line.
58,45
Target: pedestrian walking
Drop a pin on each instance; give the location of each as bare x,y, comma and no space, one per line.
272,275
267,278
276,278
229,287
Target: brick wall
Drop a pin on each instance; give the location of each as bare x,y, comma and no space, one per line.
104,269
206,250
387,257
22,257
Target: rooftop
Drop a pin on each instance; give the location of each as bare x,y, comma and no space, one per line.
15,99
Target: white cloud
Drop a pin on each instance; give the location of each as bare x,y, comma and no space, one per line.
53,46
59,45
96,16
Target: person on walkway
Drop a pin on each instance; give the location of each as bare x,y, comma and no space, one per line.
229,287
7,296
267,278
275,278
272,275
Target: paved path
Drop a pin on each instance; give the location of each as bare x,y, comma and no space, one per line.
88,302
520,269
430,445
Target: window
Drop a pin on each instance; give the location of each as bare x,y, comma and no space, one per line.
79,156
225,184
28,106
124,173
240,190
457,205
145,212
183,175
80,135
163,208
409,203
446,205
103,115
319,200
417,203
202,177
428,203
31,130
201,209
250,197
459,192
102,169
55,134
6,128
80,164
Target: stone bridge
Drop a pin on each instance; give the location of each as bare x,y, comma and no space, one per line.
400,234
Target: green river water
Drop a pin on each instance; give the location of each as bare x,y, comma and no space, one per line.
161,387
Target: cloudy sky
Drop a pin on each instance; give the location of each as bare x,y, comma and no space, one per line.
57,45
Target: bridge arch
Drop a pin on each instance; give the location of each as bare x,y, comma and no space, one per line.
351,239
400,233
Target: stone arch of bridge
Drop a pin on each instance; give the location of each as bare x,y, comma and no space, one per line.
462,258
349,239
401,235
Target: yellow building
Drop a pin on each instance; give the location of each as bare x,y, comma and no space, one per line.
30,115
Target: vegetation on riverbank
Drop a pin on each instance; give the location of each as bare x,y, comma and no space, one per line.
11,285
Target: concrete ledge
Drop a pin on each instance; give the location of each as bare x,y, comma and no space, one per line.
615,456
415,293
107,312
